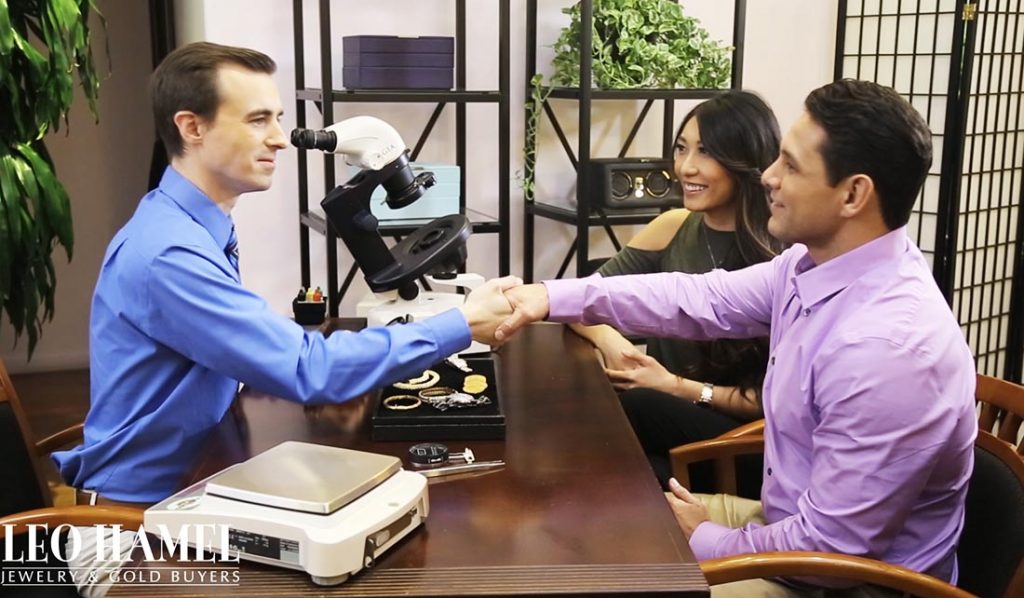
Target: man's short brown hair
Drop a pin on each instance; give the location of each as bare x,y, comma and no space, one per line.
187,80
872,130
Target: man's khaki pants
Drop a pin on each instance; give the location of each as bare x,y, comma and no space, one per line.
733,511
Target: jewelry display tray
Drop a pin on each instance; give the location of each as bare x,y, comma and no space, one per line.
482,422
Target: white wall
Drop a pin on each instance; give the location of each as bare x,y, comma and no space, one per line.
789,51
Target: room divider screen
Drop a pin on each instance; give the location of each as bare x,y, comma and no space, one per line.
961,64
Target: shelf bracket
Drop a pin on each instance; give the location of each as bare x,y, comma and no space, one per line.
427,130
568,258
561,135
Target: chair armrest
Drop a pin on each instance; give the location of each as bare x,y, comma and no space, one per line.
754,428
60,439
79,516
722,451
823,564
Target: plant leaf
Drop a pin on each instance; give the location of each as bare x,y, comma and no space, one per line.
654,35
6,31
7,240
12,199
44,47
55,206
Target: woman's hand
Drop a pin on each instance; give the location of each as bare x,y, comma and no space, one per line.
612,346
641,371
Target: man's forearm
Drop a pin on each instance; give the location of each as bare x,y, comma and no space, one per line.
701,307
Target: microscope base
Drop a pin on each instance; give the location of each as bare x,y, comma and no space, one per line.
383,311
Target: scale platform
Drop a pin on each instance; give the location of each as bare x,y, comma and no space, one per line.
323,510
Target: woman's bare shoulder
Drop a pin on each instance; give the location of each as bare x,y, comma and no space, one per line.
659,232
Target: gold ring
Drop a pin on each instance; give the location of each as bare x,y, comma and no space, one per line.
392,402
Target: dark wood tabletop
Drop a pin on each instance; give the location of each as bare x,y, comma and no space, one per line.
575,510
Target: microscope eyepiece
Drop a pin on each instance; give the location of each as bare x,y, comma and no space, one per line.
310,139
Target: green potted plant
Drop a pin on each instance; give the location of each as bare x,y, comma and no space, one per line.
44,47
636,44
642,44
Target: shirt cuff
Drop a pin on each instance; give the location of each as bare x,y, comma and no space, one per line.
705,538
451,331
565,299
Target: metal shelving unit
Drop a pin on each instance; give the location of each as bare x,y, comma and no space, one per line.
584,215
459,97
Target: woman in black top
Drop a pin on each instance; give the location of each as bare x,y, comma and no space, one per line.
684,391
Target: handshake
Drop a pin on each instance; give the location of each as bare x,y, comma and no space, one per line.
499,308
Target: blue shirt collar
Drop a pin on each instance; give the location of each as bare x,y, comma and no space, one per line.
817,283
196,204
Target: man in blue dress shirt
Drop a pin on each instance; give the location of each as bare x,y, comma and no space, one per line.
869,395
172,329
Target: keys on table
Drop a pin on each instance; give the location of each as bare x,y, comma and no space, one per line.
433,459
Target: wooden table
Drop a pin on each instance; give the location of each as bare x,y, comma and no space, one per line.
575,510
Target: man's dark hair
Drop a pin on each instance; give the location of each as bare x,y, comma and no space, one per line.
187,80
872,130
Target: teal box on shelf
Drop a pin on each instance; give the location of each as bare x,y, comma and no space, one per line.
440,200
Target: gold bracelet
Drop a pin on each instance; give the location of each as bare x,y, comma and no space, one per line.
436,391
426,380
392,402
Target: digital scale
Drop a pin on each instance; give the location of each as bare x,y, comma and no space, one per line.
324,510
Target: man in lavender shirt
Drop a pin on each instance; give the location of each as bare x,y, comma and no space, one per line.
868,399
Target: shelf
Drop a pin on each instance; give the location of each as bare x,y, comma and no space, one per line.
569,214
480,222
588,211
330,101
313,94
575,93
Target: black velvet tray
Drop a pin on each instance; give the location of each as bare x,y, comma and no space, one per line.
483,422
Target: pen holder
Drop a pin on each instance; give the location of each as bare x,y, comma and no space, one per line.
309,313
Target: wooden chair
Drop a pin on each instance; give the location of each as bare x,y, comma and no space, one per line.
24,495
1002,409
991,551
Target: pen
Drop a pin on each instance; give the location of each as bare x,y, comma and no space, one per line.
453,469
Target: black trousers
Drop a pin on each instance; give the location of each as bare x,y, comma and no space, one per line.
662,422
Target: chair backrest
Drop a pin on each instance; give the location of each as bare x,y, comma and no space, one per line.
21,481
1001,409
991,549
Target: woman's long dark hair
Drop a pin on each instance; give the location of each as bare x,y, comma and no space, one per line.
739,130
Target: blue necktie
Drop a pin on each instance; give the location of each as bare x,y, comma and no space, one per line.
232,249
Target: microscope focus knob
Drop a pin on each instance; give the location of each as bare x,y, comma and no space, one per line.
366,221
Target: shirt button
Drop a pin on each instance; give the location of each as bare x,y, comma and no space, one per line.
769,471
773,360
807,311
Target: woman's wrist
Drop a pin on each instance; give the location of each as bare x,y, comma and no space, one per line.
608,337
688,389
681,387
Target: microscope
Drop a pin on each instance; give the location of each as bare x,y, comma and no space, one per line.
434,251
